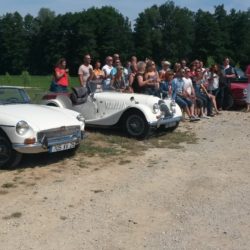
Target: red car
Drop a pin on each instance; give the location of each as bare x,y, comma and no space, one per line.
237,93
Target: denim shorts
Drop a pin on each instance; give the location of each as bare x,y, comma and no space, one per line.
183,102
54,87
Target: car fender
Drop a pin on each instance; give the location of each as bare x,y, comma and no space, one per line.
61,101
114,118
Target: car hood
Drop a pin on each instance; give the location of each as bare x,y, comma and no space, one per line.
40,116
238,85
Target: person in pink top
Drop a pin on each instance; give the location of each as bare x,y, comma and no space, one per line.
60,79
248,88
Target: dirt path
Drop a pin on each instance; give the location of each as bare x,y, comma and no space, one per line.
195,197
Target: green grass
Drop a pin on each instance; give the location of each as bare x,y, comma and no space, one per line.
36,86
42,82
106,144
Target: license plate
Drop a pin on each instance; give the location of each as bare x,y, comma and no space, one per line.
62,147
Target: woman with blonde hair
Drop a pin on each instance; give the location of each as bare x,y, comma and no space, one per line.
152,74
140,84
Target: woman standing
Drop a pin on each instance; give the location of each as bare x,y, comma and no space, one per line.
60,81
152,75
213,80
248,88
118,81
139,84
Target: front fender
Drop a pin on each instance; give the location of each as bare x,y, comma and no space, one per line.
114,118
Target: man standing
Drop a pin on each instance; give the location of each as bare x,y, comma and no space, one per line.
85,71
228,71
107,70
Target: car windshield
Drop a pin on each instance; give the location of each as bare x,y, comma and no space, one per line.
240,73
95,87
13,95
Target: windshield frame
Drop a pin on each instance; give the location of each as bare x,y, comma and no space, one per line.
13,95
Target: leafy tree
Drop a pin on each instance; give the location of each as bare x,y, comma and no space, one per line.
13,46
164,32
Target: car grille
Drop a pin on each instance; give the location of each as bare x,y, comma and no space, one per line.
164,109
59,133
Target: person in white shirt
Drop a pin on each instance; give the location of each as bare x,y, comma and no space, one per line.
85,71
189,92
107,70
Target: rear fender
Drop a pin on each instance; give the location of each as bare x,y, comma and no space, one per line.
61,102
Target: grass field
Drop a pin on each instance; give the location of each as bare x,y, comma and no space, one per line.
26,80
36,85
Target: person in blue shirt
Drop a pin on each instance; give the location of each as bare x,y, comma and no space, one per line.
178,94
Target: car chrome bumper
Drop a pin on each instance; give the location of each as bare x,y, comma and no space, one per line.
166,121
39,147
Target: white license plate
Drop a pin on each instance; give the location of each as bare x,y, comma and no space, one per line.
62,147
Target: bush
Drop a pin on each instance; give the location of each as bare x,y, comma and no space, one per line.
7,78
210,61
26,80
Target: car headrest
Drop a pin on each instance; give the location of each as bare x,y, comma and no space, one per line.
79,95
80,92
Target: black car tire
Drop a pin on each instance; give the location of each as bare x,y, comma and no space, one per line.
9,158
135,124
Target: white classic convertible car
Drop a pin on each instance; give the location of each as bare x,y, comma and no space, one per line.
30,128
135,113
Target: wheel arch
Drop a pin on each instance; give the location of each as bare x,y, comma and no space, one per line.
3,133
130,110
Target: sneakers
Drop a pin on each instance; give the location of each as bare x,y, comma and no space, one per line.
204,117
194,119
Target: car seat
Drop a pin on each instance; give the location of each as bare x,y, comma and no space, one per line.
79,95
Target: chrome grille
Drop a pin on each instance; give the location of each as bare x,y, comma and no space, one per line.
59,132
165,110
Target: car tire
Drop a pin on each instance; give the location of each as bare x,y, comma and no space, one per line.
135,124
9,158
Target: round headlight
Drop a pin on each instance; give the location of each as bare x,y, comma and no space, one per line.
156,108
22,127
245,92
80,118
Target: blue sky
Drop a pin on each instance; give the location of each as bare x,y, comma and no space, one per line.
129,8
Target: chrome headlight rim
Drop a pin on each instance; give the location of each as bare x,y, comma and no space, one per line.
80,118
173,106
22,127
245,92
156,108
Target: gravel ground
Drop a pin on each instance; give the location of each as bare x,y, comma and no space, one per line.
194,197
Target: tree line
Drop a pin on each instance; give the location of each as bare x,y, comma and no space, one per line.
34,44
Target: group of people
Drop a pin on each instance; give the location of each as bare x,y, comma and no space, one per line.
197,90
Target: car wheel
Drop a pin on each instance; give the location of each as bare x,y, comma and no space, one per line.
136,125
8,157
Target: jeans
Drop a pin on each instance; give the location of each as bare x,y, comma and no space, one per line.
54,87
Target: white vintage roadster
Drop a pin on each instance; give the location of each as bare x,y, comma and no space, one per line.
30,128
135,113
